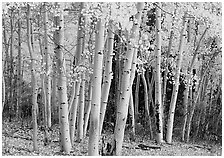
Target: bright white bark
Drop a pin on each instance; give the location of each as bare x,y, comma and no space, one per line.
33,81
93,145
158,101
47,74
176,83
81,108
73,110
62,88
87,108
122,108
108,75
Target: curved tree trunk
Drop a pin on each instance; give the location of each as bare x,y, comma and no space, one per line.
176,83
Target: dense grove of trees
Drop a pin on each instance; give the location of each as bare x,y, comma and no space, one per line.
152,68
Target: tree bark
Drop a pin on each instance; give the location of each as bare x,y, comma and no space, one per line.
47,73
87,108
122,108
93,146
19,77
33,81
136,98
73,110
62,87
132,114
108,75
81,108
191,113
176,83
80,35
186,91
158,99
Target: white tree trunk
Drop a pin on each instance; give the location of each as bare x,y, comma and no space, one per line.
93,146
176,83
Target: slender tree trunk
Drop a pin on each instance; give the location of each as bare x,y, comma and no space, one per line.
202,106
132,114
62,87
191,113
73,111
11,112
6,44
136,98
43,92
186,91
33,81
108,75
88,108
19,79
81,108
93,146
47,73
176,83
147,103
80,35
3,92
54,77
122,108
158,99
73,95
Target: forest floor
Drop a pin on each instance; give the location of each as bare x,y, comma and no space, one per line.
17,141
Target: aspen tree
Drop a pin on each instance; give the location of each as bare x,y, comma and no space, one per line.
47,75
62,86
186,91
93,148
87,108
19,77
201,104
12,42
73,110
122,108
80,35
132,113
191,112
131,102
167,58
54,75
137,97
176,82
108,74
81,108
158,99
3,92
71,100
33,80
